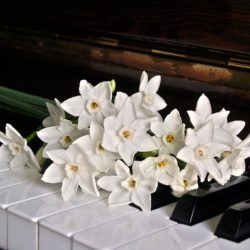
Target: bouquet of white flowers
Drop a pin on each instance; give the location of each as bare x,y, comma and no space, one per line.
122,144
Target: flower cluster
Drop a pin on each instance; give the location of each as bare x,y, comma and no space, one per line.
122,144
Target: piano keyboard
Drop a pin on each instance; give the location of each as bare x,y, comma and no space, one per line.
33,216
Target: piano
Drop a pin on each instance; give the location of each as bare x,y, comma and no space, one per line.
196,46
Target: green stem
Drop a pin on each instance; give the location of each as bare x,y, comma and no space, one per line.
31,136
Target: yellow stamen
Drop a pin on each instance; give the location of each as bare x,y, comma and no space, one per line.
162,164
126,134
67,139
170,138
94,105
74,168
131,183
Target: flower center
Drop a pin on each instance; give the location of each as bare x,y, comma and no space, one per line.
130,183
200,153
170,138
148,100
99,148
185,183
162,164
93,106
225,154
125,133
15,148
66,140
72,169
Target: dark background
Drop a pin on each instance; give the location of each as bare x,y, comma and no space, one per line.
47,47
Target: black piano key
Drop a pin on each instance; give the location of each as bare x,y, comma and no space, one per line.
235,223
201,204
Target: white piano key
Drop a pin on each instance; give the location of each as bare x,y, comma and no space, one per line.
4,166
18,175
18,193
177,237
127,229
56,231
23,218
222,244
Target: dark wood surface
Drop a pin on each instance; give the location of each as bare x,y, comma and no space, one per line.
221,24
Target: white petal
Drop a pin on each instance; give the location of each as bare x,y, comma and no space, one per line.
235,127
51,146
88,183
73,105
186,154
5,154
203,107
12,133
213,168
127,153
49,134
158,128
173,120
103,91
192,139
159,103
142,198
153,85
69,188
195,119
86,89
54,173
59,156
223,136
144,143
215,149
4,139
66,127
19,160
110,142
32,161
84,120
108,108
96,132
119,197
127,113
120,99
121,169
143,81
205,133
85,143
109,183
150,184
219,118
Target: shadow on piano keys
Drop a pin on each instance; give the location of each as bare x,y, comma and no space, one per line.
33,216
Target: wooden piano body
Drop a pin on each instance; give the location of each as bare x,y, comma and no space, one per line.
196,46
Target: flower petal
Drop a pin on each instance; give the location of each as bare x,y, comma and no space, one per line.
88,183
186,154
69,188
223,136
153,85
54,173
126,152
84,120
86,89
158,104
143,81
235,127
121,169
59,156
219,118
66,127
173,120
150,184
108,108
127,113
103,91
49,134
5,154
12,133
19,161
73,105
142,198
120,99
158,128
109,183
119,197
203,107
195,118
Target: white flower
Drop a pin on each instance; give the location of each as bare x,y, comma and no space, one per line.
170,134
56,113
163,168
61,136
15,150
200,151
93,104
73,169
184,181
203,114
147,102
91,144
237,159
126,188
126,135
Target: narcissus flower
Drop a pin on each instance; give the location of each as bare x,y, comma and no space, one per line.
15,149
73,168
126,188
